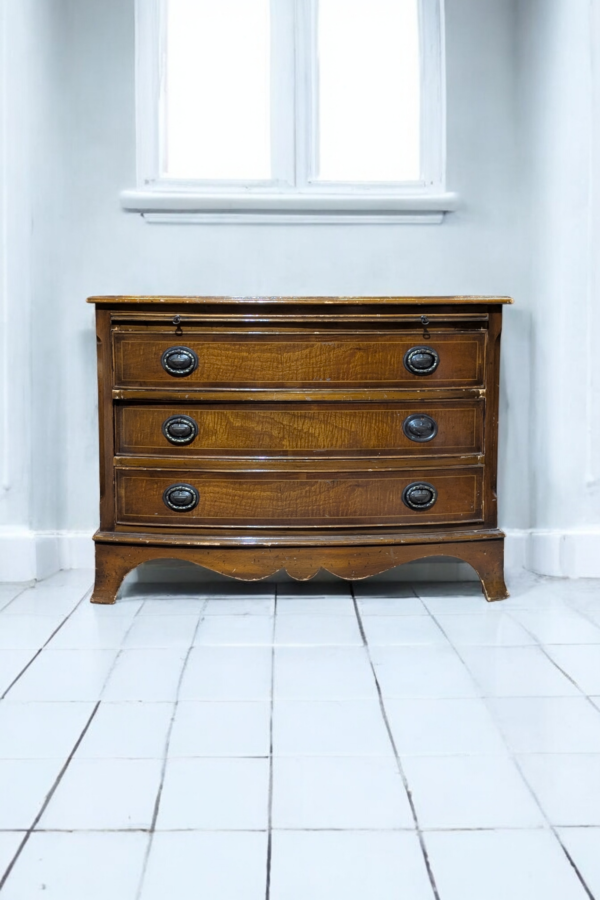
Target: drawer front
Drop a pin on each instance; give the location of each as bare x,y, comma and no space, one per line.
297,429
188,498
297,360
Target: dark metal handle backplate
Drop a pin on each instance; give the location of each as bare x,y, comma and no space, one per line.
421,360
420,428
179,361
181,497
419,495
180,429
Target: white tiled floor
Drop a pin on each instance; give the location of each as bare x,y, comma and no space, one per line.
304,742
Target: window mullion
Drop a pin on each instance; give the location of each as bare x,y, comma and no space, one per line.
306,92
283,99
433,100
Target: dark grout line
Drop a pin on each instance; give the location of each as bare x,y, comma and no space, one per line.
514,758
541,646
45,644
401,771
270,795
152,829
49,796
77,743
26,587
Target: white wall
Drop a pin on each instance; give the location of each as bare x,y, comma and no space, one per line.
498,63
475,251
559,41
29,371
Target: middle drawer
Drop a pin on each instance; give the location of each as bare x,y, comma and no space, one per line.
430,428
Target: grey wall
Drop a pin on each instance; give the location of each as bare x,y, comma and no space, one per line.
103,250
559,96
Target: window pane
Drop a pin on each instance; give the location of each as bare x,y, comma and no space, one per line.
369,90
218,89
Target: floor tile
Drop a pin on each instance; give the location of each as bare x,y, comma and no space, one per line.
484,631
422,672
150,674
403,631
449,605
65,866
9,844
339,793
238,590
162,631
126,608
368,588
312,631
315,606
172,606
582,844
235,631
382,605
423,727
127,731
541,596
24,785
349,865
227,673
567,786
104,794
83,577
470,792
46,600
12,662
329,728
65,675
27,632
323,673
516,672
221,729
238,606
548,724
90,631
557,626
444,589
41,730
502,865
581,663
8,592
216,866
215,794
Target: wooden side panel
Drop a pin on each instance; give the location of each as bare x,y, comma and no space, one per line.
105,419
323,429
289,360
306,499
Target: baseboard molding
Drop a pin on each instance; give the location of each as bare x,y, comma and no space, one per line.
26,555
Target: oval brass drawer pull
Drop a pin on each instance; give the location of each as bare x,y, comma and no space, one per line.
421,360
180,429
419,495
420,428
181,497
179,361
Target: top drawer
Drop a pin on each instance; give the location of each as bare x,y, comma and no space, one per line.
276,360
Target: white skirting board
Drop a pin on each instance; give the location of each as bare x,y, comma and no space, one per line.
27,555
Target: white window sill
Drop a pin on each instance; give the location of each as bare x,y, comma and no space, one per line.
299,208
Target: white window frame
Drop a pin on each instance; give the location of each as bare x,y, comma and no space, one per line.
294,194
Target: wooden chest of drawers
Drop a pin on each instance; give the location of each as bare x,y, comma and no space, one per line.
253,435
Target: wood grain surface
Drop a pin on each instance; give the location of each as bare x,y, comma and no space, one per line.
275,360
323,429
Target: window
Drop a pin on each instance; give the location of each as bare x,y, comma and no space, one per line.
290,109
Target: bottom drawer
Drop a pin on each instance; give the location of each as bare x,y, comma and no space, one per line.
188,498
